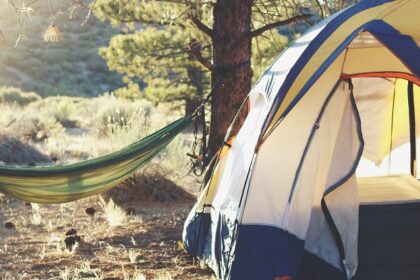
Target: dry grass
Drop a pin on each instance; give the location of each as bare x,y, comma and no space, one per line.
150,186
142,243
114,215
143,246
70,129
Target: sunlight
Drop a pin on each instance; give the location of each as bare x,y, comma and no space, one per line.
398,162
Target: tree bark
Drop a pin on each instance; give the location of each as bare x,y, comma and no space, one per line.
232,73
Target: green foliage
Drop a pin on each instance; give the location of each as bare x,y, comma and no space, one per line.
153,54
131,91
13,95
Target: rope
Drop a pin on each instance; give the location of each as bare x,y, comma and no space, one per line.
200,160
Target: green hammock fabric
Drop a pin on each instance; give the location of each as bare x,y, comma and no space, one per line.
64,183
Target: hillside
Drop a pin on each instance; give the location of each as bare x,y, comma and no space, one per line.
71,67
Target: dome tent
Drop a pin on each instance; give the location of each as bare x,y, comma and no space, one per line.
284,197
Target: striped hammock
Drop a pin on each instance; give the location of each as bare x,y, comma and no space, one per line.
64,183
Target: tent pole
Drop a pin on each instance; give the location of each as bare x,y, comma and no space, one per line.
412,119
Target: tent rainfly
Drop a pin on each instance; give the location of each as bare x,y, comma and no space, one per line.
321,180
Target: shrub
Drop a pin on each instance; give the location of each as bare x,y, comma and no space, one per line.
118,114
35,128
13,95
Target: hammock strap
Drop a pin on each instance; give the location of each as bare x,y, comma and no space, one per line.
201,160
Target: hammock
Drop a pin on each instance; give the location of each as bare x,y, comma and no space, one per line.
64,183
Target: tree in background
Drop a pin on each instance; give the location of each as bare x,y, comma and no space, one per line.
169,52
171,47
158,52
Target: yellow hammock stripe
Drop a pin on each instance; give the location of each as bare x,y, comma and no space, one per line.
64,183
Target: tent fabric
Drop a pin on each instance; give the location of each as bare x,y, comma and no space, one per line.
59,184
334,101
396,17
384,103
391,189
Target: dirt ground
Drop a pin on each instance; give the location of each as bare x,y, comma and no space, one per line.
113,245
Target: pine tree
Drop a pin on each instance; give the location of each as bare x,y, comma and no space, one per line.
222,36
167,52
158,52
153,54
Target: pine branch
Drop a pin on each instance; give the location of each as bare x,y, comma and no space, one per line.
200,25
267,27
197,53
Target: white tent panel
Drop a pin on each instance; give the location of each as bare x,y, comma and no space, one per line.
239,157
238,160
279,156
383,107
335,149
375,98
336,140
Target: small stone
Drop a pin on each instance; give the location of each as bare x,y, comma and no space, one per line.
90,211
71,231
9,225
71,241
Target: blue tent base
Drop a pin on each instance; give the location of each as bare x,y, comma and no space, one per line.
389,246
389,242
314,268
266,252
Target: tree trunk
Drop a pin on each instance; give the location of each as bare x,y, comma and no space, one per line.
232,74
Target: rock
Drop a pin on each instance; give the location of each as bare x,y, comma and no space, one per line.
71,231
71,241
90,211
9,225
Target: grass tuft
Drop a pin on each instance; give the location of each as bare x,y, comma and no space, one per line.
114,215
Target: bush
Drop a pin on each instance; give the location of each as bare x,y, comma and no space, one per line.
13,95
115,114
35,128
65,110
